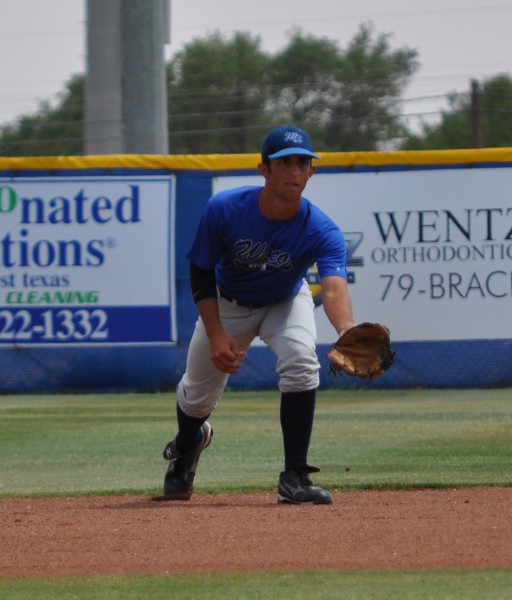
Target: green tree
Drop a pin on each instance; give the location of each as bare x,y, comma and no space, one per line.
455,127
216,97
373,77
349,99
52,130
301,80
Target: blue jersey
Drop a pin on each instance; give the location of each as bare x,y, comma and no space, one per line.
261,261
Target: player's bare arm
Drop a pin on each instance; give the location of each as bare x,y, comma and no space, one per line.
337,303
224,352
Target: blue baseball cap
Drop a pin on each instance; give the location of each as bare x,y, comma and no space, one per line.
287,141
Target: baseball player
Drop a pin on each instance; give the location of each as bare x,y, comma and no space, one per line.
247,270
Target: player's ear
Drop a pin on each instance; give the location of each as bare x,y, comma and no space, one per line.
312,170
263,170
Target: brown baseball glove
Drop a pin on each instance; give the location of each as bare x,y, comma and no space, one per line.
363,351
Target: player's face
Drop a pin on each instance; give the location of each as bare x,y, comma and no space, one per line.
287,176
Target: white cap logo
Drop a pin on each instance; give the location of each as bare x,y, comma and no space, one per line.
293,136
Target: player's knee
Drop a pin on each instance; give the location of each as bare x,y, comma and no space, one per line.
298,371
197,400
297,382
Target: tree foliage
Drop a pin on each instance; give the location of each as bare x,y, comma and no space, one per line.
346,99
456,127
372,79
224,94
52,130
215,94
349,99
301,80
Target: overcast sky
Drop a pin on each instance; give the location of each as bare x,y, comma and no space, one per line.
42,42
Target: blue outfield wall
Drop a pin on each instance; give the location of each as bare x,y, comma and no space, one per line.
148,367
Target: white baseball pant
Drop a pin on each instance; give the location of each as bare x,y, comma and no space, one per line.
288,328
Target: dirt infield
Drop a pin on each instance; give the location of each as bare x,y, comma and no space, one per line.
250,532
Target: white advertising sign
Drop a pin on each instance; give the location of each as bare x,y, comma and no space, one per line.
429,251
87,260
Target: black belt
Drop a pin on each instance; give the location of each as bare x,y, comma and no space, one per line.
237,303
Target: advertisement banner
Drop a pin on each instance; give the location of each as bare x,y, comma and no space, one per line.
429,251
87,260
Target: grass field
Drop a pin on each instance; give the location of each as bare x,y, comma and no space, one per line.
490,584
76,444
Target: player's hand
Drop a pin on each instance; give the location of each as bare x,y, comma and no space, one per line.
225,354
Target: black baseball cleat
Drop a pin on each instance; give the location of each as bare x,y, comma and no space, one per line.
179,479
295,487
